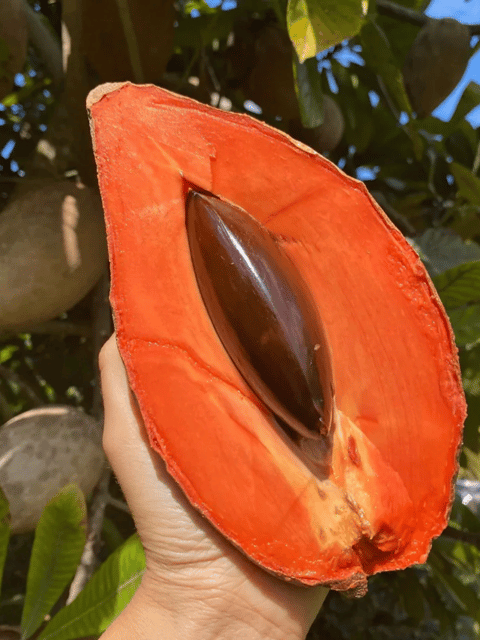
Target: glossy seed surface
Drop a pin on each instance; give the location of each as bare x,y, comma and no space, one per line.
262,312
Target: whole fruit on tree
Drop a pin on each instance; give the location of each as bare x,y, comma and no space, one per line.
42,450
53,251
436,63
328,135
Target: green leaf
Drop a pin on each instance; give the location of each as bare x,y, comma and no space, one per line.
468,184
459,290
438,609
469,100
442,249
470,365
7,352
308,85
379,57
473,462
104,597
198,5
465,598
4,532
314,26
57,549
111,535
466,324
463,516
465,556
412,595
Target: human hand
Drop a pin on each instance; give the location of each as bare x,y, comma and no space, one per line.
196,584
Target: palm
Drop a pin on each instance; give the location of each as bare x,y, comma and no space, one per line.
182,548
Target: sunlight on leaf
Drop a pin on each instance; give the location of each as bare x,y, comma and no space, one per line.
57,549
468,183
459,290
308,85
315,26
104,597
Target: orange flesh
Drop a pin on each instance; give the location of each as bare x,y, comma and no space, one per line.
400,406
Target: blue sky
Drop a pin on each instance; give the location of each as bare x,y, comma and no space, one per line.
467,11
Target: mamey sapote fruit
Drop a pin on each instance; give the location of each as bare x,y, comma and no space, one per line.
41,451
372,485
436,63
327,136
53,251
270,83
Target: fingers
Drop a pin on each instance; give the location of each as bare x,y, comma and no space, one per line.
125,441
113,374
120,421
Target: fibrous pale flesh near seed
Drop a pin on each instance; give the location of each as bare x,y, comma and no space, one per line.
366,497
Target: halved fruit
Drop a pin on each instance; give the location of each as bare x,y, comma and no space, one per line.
369,492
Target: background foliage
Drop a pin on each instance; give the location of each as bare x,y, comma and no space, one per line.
353,85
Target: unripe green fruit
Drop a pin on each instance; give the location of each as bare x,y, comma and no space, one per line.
436,63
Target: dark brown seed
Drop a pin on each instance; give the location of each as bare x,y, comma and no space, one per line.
262,312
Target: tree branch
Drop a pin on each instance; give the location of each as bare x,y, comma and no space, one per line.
102,328
89,560
119,504
9,375
394,10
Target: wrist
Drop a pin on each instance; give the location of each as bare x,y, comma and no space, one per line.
199,612
167,612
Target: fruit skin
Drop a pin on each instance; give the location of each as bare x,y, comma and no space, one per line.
270,83
331,513
52,252
329,134
42,450
436,63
